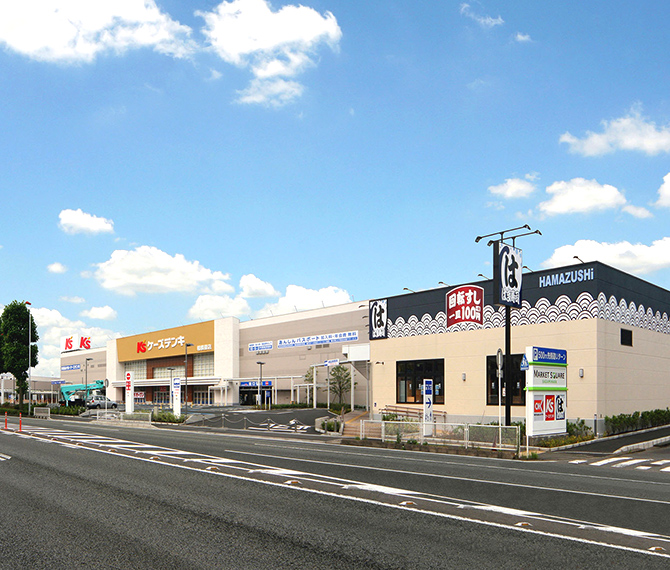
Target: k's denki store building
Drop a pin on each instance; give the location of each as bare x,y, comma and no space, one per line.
222,363
613,326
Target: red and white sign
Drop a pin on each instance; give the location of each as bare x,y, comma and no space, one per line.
130,393
465,304
549,408
75,342
538,407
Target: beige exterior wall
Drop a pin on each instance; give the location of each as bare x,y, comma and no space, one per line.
632,378
294,362
465,352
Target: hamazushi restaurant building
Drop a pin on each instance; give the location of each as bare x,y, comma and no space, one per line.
614,327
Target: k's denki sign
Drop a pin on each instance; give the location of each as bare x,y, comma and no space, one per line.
549,407
75,342
465,304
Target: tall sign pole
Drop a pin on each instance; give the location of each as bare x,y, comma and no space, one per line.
507,264
507,268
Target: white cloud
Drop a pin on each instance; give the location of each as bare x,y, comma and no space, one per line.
252,286
274,45
299,298
105,313
513,188
56,267
209,307
664,193
633,258
51,326
73,31
581,196
275,93
632,132
75,300
79,222
147,269
522,38
484,21
637,211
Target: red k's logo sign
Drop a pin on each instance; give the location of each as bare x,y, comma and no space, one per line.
68,343
141,346
85,342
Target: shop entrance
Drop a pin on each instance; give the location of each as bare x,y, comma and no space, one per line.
249,393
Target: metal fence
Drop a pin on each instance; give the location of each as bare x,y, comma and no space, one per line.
135,417
464,435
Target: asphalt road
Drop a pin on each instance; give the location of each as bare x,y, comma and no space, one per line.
76,495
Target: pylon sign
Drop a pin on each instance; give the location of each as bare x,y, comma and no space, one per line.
546,390
130,393
507,266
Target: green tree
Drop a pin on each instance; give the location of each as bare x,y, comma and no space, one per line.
340,382
14,348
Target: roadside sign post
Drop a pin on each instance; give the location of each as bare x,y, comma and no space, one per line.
130,393
546,387
428,407
499,363
176,396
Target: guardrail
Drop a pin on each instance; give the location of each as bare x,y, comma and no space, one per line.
464,435
43,413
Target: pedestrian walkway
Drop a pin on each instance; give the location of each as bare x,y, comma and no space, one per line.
352,423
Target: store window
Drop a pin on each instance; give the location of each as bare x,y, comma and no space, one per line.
410,375
203,364
202,397
518,381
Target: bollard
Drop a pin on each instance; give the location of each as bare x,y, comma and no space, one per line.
19,421
5,420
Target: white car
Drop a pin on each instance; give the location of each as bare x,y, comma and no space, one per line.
100,402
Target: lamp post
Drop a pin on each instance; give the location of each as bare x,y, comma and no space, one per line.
170,390
260,381
186,376
86,375
30,340
499,278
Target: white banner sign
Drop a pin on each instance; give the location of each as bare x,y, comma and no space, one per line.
130,393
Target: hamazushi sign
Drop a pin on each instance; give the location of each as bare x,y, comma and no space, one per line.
567,277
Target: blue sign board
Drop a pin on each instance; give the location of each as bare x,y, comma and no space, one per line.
254,384
71,367
550,356
58,381
524,363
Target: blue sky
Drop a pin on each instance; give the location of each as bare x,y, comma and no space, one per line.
168,162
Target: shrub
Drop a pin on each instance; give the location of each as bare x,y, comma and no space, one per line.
630,422
167,417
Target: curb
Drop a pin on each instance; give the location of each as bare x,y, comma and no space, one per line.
643,445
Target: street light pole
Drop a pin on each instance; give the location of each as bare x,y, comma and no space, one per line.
186,376
260,381
30,340
86,375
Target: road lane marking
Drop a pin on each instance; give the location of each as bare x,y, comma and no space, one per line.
608,461
429,504
630,462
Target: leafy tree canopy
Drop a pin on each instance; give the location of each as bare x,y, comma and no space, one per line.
16,336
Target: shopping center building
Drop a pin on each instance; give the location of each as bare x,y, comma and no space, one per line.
612,326
218,362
